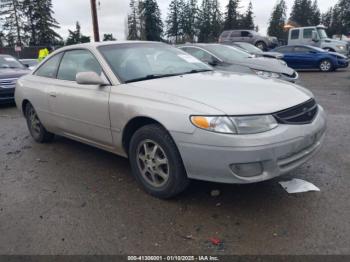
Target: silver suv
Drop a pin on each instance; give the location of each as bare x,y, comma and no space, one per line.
248,36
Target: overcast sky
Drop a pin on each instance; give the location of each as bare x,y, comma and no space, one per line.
113,13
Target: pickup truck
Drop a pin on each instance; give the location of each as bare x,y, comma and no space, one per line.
317,36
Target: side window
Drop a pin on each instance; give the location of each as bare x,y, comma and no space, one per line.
307,34
285,49
301,49
50,67
77,61
225,34
235,33
295,34
245,34
200,54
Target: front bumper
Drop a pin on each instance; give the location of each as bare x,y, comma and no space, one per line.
215,157
343,63
7,95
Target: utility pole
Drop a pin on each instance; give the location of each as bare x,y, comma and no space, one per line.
95,21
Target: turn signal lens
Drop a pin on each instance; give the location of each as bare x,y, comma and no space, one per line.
200,121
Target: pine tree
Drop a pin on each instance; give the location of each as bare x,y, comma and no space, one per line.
190,20
13,22
278,20
216,21
327,21
247,20
76,37
204,21
316,16
133,21
40,22
175,20
151,19
342,17
232,15
302,13
108,37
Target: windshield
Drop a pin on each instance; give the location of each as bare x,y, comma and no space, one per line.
249,47
142,61
322,33
10,62
227,53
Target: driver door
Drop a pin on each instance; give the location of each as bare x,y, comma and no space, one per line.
81,111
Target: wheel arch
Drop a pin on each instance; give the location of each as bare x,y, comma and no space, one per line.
25,102
135,124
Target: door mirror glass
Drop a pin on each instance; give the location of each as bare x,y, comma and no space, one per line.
89,78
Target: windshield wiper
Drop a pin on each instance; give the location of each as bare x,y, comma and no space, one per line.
195,71
155,76
149,77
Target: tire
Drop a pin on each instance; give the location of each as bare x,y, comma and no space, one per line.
36,129
156,162
326,65
328,49
261,45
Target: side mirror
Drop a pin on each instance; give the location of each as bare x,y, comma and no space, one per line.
89,78
314,36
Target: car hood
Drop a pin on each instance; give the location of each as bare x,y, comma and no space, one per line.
265,64
13,72
338,55
341,42
230,93
270,54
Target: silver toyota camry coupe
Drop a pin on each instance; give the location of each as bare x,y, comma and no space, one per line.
173,116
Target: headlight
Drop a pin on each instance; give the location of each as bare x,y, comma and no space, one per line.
341,47
267,74
235,125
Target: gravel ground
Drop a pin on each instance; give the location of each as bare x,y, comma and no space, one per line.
69,198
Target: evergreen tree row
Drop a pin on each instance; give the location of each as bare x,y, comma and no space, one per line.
187,20
28,22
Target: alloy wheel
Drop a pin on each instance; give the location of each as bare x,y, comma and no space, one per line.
325,65
153,163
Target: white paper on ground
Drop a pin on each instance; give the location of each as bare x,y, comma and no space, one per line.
298,186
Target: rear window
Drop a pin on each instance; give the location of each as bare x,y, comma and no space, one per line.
295,34
225,34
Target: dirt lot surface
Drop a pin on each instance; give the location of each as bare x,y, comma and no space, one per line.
69,198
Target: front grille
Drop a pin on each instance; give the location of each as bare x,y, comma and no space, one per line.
301,114
8,83
294,75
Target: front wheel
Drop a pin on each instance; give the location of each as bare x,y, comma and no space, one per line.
36,129
326,65
156,162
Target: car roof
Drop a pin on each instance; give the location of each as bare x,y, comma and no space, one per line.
106,43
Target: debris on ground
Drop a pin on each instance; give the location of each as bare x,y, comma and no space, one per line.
41,161
218,204
215,241
215,193
298,186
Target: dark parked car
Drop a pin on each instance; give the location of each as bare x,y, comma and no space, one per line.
310,57
248,36
253,50
30,63
231,59
10,70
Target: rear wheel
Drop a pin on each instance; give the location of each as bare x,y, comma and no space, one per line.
261,45
326,65
156,162
36,129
